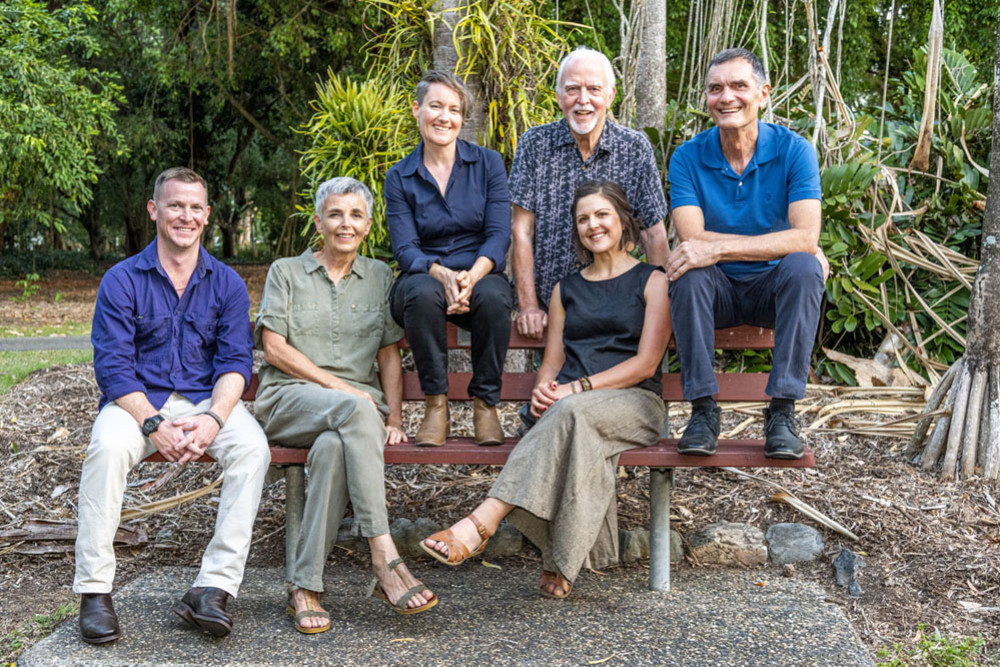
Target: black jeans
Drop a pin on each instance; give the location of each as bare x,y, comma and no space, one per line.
417,303
787,298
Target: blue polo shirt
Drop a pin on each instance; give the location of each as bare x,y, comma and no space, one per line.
147,339
783,169
471,219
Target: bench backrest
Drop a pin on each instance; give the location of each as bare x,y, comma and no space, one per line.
517,386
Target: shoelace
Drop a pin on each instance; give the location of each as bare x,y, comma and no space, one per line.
783,418
706,417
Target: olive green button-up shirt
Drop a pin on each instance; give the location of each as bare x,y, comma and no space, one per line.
340,328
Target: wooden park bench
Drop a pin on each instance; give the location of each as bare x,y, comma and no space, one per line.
661,459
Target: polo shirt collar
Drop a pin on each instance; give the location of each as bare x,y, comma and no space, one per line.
150,261
764,151
311,265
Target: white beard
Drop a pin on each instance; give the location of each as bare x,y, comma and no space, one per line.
585,128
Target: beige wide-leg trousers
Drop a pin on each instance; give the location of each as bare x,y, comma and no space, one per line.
117,445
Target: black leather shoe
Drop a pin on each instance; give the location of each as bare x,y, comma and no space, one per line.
205,609
781,435
701,435
98,620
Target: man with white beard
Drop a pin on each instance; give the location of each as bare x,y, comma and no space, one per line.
552,160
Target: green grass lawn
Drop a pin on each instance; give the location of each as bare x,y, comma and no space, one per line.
69,329
15,366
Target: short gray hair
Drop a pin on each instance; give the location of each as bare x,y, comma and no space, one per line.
343,185
759,73
585,51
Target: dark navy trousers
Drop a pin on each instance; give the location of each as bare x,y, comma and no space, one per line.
417,303
786,298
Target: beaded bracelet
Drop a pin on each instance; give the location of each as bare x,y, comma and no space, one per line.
585,383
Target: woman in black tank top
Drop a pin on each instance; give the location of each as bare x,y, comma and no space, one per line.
598,394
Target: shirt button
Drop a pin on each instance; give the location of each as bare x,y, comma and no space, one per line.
741,184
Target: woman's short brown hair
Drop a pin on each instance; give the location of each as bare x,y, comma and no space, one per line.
619,201
447,79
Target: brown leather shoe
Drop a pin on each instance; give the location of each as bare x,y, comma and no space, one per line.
436,425
486,423
98,621
205,609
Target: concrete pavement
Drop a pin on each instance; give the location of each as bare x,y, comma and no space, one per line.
488,616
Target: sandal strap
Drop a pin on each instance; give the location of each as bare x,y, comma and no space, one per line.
405,598
457,552
309,613
396,563
483,533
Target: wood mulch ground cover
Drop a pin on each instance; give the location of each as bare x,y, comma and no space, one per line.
932,549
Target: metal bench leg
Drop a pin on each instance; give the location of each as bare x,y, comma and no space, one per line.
661,482
295,500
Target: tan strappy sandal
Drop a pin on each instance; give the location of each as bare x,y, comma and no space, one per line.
457,553
400,606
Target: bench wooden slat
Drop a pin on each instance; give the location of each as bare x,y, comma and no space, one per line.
732,453
734,338
518,386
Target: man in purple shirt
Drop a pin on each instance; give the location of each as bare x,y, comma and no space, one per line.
172,356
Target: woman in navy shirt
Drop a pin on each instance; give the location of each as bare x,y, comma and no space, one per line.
448,211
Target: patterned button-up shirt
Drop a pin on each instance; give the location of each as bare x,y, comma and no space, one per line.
547,170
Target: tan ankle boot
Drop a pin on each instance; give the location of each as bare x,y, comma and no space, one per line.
486,423
435,427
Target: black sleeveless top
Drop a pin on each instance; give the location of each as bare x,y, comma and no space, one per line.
604,323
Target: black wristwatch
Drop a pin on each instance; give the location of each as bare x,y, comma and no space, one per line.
151,424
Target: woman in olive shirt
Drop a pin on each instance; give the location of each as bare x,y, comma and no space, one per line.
323,322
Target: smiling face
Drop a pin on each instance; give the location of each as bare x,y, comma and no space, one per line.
439,115
734,95
343,222
585,95
598,225
180,212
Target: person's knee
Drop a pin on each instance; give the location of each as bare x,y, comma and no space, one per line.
800,270
491,298
326,448
106,451
693,283
424,291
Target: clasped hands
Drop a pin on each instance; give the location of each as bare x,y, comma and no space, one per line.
184,440
457,288
546,393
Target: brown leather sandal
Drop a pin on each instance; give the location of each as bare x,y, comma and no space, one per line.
457,553
550,578
307,613
414,587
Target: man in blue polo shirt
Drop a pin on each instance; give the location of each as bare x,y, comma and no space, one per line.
172,356
745,198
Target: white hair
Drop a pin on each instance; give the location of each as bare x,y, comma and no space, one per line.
581,52
343,185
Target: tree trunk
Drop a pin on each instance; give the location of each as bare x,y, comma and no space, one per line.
446,57
651,81
973,445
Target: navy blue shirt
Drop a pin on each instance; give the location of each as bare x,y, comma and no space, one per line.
471,220
147,339
783,169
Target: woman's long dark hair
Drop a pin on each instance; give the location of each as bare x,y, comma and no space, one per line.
619,200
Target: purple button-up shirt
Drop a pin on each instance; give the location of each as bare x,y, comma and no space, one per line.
147,339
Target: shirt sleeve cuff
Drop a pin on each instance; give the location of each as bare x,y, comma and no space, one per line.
276,324
684,201
119,389
242,370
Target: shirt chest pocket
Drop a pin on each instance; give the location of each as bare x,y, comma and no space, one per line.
152,334
365,319
305,318
200,332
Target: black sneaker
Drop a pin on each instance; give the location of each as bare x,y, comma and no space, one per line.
782,435
701,435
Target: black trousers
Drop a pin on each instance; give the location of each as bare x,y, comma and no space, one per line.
417,303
